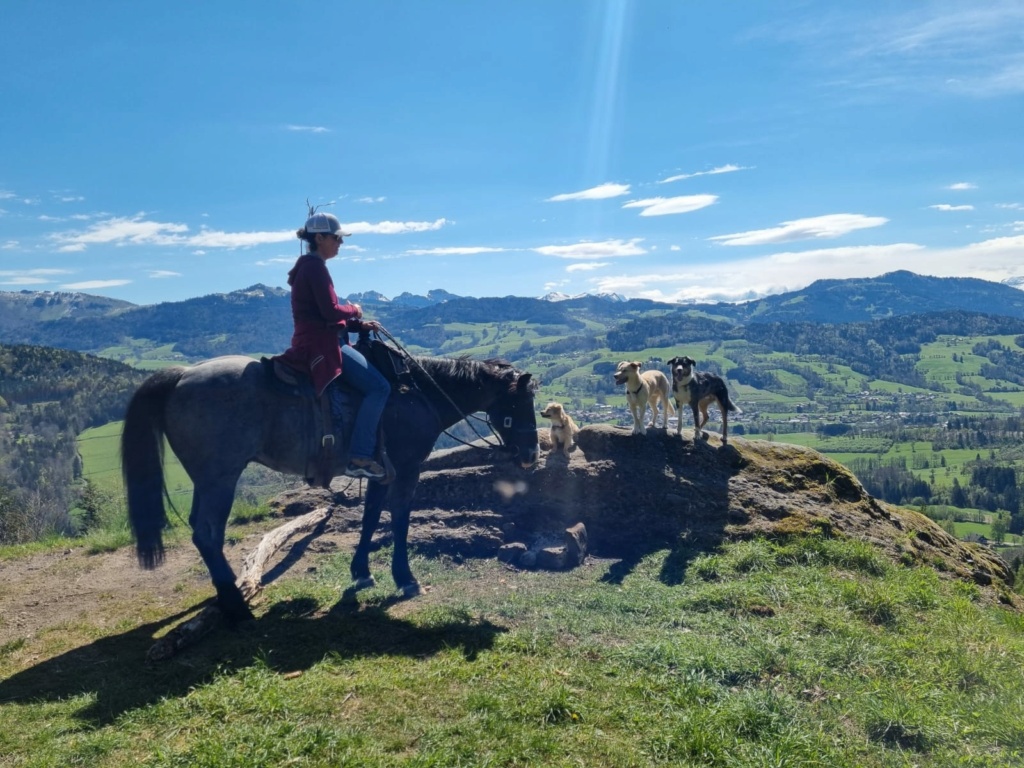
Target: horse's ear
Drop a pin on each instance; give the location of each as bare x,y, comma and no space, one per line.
523,382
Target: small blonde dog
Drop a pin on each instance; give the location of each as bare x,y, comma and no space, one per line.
563,429
644,388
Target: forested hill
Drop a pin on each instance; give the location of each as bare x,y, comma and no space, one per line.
891,295
47,397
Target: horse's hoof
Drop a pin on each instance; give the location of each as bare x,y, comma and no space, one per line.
233,606
413,589
365,582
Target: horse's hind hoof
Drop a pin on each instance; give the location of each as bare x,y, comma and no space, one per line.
233,606
364,583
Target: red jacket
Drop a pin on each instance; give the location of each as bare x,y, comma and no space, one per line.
318,318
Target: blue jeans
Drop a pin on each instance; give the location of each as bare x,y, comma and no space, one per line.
362,376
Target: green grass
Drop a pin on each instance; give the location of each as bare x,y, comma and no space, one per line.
813,652
101,464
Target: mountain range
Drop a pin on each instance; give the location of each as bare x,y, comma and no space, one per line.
258,318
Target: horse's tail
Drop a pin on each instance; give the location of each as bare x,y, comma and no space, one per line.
142,464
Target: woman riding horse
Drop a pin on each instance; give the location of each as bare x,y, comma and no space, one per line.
315,349
221,414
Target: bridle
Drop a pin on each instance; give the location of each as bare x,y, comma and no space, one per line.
508,422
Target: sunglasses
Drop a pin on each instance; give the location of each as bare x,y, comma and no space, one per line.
336,238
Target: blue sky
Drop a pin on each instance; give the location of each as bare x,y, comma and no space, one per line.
664,149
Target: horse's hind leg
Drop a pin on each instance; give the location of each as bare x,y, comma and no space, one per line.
211,505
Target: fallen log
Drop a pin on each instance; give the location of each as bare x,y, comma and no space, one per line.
250,582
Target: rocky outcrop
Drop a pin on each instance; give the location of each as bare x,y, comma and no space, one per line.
634,494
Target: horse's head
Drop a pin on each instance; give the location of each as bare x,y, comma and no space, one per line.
513,417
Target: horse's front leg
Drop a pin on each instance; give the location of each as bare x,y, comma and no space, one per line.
375,496
403,489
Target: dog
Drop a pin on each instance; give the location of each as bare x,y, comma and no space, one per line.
643,389
563,429
699,389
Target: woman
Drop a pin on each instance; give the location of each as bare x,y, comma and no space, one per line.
316,347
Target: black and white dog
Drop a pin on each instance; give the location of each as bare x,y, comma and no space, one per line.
698,390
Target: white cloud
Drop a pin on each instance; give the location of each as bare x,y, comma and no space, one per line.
308,128
591,250
162,273
454,251
674,248
962,185
664,206
71,199
370,199
8,245
276,261
816,227
996,259
31,276
729,168
209,238
947,207
24,280
393,227
7,195
601,192
587,266
91,285
135,230
970,49
125,231
1011,206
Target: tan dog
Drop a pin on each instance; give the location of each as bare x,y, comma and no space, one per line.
643,389
563,429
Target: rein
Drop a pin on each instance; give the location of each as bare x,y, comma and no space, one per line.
488,446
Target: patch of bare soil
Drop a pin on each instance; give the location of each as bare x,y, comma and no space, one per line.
50,589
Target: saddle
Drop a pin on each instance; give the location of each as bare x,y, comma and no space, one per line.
392,364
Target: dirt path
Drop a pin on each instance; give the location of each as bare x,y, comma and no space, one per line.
50,589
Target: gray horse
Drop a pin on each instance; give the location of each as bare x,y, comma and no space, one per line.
221,414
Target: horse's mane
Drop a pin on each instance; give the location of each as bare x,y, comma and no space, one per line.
467,369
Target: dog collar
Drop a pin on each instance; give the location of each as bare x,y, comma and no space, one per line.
637,391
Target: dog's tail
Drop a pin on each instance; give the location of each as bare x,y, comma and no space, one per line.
731,406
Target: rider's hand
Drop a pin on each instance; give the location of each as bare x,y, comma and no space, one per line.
359,311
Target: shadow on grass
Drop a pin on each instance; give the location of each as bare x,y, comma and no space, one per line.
291,636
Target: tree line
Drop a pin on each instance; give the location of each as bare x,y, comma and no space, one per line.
47,398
